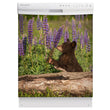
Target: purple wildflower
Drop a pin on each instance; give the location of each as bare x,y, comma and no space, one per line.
30,31
39,23
88,46
73,29
48,39
91,68
58,36
20,47
85,37
40,39
81,40
24,43
75,38
45,26
66,35
54,34
78,35
25,24
82,17
21,23
52,38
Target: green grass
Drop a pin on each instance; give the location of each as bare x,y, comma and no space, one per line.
50,93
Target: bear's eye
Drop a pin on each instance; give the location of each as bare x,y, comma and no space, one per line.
64,45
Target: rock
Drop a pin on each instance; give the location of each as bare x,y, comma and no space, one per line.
75,83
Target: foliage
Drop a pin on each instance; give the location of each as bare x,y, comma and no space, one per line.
50,93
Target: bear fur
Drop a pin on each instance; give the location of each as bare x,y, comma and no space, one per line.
67,59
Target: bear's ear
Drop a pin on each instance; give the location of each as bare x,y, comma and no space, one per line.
73,44
68,40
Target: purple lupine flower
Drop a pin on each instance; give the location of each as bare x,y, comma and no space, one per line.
40,39
24,43
52,38
40,42
74,34
20,47
48,39
88,46
91,68
85,37
81,40
58,36
45,26
78,35
54,34
25,24
79,25
75,38
73,29
66,35
39,23
30,31
82,17
21,23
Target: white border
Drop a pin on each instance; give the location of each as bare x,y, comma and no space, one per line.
55,8
55,102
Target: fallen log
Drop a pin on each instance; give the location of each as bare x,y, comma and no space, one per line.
76,83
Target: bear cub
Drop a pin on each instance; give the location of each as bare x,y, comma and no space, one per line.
67,59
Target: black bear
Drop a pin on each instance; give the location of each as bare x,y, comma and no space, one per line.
67,60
